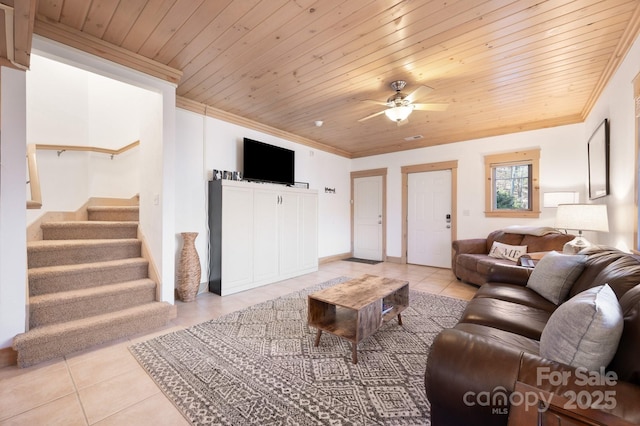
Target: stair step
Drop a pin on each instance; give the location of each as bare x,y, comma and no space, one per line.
56,340
67,252
55,308
113,213
53,279
92,230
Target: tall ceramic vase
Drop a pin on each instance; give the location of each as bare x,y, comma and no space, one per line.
188,268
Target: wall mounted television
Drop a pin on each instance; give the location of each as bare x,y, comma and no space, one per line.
268,163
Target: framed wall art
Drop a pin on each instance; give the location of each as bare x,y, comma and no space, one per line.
598,153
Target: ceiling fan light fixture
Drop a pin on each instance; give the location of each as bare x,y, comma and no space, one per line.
399,113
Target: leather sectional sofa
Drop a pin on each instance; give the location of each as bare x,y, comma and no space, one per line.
471,261
472,368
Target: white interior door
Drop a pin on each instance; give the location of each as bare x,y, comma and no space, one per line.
429,218
367,218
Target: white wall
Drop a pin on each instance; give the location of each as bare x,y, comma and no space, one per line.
190,184
114,112
58,103
67,105
562,167
205,143
617,105
63,181
157,171
68,180
117,177
13,249
72,106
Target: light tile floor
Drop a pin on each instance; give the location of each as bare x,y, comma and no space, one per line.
106,385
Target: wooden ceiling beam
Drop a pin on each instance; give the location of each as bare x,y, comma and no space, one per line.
95,46
200,108
16,33
24,17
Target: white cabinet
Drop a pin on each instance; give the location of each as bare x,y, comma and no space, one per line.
289,232
260,233
265,235
298,229
237,215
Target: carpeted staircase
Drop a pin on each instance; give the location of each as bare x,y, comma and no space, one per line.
88,284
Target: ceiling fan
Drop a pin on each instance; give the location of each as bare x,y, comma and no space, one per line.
400,106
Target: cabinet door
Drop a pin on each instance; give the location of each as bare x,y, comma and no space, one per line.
308,235
265,234
289,232
237,237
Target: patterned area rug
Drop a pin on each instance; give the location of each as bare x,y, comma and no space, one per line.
259,366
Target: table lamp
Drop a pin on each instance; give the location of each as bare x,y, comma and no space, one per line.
581,217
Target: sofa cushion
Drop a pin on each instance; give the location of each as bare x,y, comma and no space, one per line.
598,257
548,242
485,263
626,362
474,268
503,237
621,275
506,251
515,293
554,275
504,338
585,330
470,261
508,316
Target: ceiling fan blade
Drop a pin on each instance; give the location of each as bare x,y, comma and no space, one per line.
371,116
370,101
419,93
431,107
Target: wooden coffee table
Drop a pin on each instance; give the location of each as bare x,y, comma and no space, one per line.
354,311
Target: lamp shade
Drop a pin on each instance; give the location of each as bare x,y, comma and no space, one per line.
582,217
399,113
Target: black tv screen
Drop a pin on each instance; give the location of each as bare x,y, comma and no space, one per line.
268,163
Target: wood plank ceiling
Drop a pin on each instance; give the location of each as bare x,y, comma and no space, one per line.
503,66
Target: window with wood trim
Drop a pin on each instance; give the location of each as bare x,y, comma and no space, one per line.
512,184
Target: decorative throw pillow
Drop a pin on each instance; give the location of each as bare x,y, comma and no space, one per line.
585,330
506,251
554,275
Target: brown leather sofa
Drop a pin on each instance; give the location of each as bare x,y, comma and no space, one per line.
471,262
496,343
